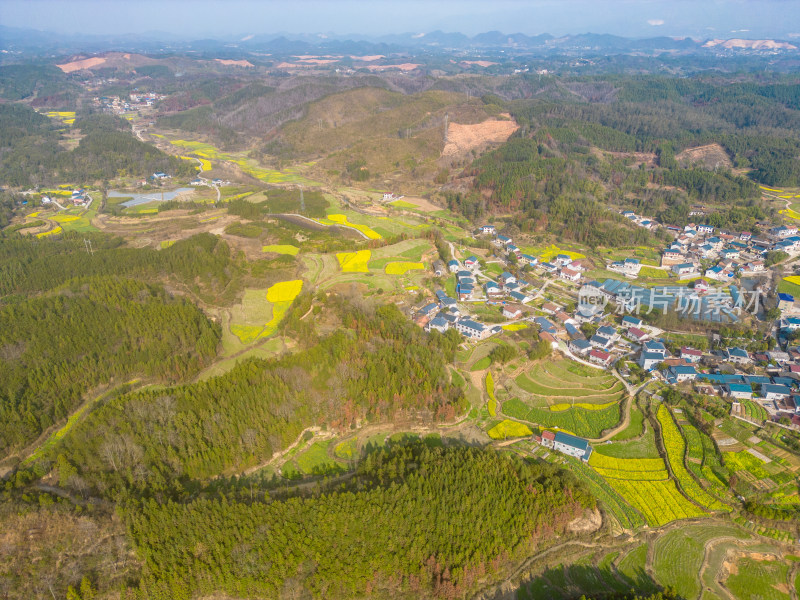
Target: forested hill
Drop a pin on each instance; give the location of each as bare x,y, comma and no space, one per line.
376,367
56,347
32,154
203,263
414,523
571,159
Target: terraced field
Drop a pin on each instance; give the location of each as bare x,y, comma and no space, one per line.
645,484
676,449
579,421
678,555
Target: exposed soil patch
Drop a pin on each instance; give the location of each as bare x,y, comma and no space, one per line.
235,63
463,138
710,156
77,65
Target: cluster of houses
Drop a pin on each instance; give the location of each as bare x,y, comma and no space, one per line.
445,314
562,265
695,243
77,197
118,106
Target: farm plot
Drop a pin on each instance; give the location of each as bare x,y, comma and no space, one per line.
744,463
676,450
757,579
755,411
492,403
281,249
338,219
702,457
678,555
612,501
645,484
507,428
353,262
579,421
401,268
260,314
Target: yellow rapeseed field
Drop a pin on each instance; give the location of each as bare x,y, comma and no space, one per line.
285,291
342,220
354,262
400,268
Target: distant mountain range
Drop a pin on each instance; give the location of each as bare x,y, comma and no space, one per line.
27,41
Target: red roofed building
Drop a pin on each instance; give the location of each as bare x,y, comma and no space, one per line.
691,355
600,357
548,438
638,334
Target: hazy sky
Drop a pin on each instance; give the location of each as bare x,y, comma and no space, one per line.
204,18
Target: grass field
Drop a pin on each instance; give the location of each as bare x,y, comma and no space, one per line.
635,427
507,428
481,364
315,460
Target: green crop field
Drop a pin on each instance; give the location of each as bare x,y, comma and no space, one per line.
760,580
481,364
744,461
635,427
579,421
491,405
678,554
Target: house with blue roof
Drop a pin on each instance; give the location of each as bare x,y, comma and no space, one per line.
579,346
472,329
654,346
549,267
429,309
519,296
453,266
528,259
507,278
607,331
562,260
740,391
439,324
545,325
631,321
572,445
493,290
503,239
679,374
738,356
573,331
488,229
650,360
600,341
775,392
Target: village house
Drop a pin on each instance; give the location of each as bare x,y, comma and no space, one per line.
512,311
650,360
471,329
637,334
572,445
507,278
775,392
440,324
453,266
740,391
528,259
471,262
569,274
599,357
738,356
503,240
579,346
490,229
679,374
631,321
691,355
